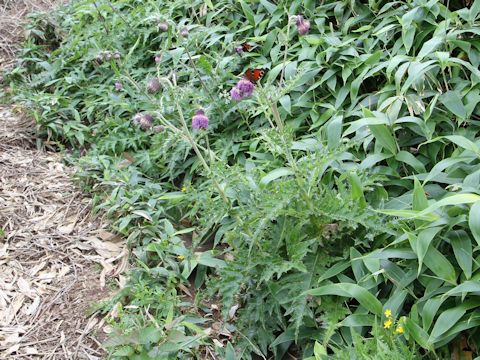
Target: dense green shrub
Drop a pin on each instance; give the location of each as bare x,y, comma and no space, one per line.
337,209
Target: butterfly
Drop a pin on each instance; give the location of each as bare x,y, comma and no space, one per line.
246,46
254,74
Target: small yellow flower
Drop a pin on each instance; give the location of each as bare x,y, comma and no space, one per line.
181,257
388,313
184,189
399,329
387,324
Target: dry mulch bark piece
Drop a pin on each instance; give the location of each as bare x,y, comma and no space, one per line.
55,258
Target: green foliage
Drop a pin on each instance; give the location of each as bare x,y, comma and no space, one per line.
348,184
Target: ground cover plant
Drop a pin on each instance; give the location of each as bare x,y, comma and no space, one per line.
295,178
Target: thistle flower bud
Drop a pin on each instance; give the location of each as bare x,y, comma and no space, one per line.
145,123
117,55
143,119
136,118
153,86
108,56
158,58
118,86
184,33
99,57
303,25
163,27
158,129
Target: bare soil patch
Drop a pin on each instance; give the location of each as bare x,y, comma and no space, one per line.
55,257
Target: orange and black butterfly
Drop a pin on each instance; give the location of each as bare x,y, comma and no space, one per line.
254,75
246,46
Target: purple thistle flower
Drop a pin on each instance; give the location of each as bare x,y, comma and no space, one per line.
118,86
200,120
158,58
245,87
235,94
239,50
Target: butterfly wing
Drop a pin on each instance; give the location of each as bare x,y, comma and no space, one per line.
254,74
246,47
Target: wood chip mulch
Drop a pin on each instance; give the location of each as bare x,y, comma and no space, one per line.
56,259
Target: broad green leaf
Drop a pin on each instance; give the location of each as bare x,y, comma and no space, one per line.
124,351
430,310
421,243
444,164
319,350
286,103
248,12
230,352
457,199
143,214
453,102
275,174
334,270
358,124
357,189
334,131
408,33
465,287
420,201
149,335
417,333
429,47
440,265
358,320
464,143
206,258
384,136
416,71
462,248
269,6
474,221
445,321
362,295
409,159
409,214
